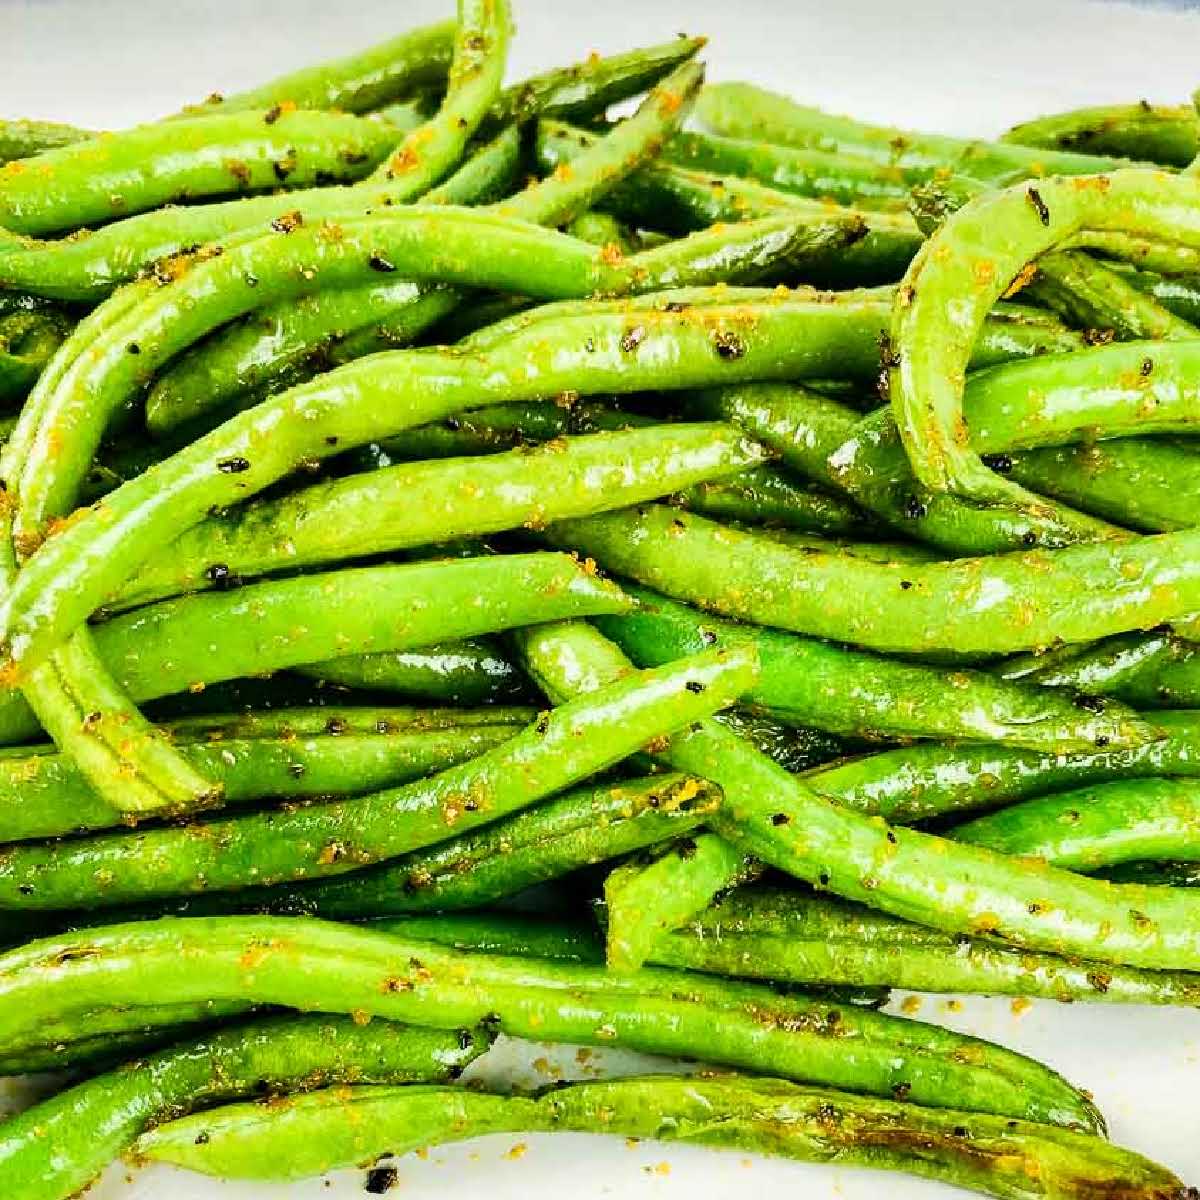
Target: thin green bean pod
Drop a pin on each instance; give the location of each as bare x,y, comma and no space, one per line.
848,692
56,1147
743,110
1124,821
23,139
301,962
1167,134
28,340
769,933
1156,874
1178,295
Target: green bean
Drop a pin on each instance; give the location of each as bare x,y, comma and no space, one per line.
601,229
844,178
43,795
117,175
342,1127
928,356
764,495
1124,821
23,139
301,962
768,933
1156,874
806,429
1178,295
743,110
264,848
796,748
586,826
425,503
468,672
942,884
864,695
55,1148
358,82
984,606
924,781
1167,134
1148,484
678,200
1153,670
95,1054
645,899
28,340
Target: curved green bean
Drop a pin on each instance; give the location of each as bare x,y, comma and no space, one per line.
964,259
28,340
984,1154
991,605
318,965
1179,295
863,695
1124,821
764,495
23,139
425,503
120,174
743,110
1167,134
53,1149
767,933
558,749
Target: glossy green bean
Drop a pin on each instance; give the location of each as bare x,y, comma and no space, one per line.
1156,874
950,886
319,965
925,781
118,175
678,200
1167,134
768,933
467,672
55,1148
602,229
863,695
558,749
983,1154
806,429
43,795
645,899
995,605
1178,295
1147,484
425,503
23,139
1108,823
28,340
743,110
765,495
965,259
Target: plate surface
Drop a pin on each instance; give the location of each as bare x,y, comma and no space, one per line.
955,67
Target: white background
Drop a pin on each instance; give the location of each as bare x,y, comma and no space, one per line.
953,65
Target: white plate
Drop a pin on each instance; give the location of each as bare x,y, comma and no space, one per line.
955,66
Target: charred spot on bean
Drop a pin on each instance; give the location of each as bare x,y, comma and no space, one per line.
901,1091
335,725
686,849
273,114
891,837
780,818
288,222
905,584
381,1179
1147,367
708,636
26,889
1039,205
675,306
823,878
377,262
728,345
283,167
1092,704
915,509
133,348
694,686
1029,538
1002,464
631,339
542,724
233,466
1102,740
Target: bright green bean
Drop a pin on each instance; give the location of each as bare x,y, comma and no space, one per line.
319,965
1108,823
23,139
764,495
55,1148
1167,134
867,696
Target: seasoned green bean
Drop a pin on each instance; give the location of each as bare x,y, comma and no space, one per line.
1167,134
864,695
28,339
984,1154
985,606
57,1147
425,503
300,962
743,110
768,933
764,495
23,139
1108,823
1178,295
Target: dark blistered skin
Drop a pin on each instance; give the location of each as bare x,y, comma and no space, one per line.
769,933
743,110
422,504
302,962
843,691
1124,821
53,1149
1008,1159
1159,133
119,174
558,749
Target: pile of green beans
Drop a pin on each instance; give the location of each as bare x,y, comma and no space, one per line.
473,565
